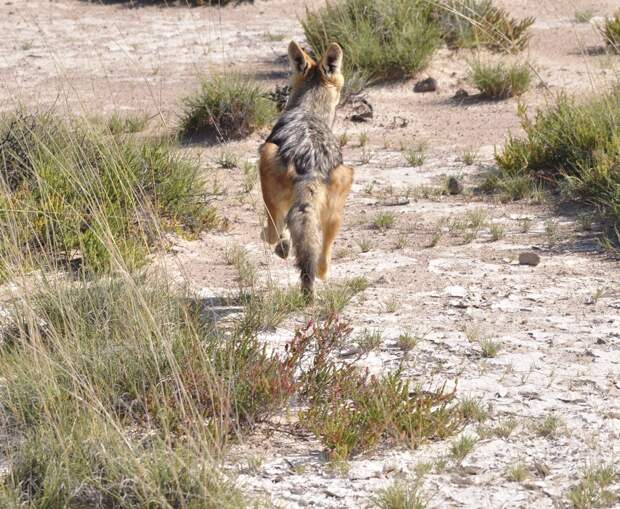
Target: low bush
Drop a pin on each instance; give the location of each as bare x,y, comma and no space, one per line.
381,39
227,107
575,145
479,23
500,80
68,189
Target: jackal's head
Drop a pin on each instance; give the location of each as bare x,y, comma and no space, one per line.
316,86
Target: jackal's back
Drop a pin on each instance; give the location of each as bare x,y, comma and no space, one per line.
306,141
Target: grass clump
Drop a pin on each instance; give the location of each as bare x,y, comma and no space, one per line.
356,411
118,124
592,490
401,494
500,80
122,355
611,32
462,447
69,189
384,221
382,39
517,473
479,23
227,107
574,145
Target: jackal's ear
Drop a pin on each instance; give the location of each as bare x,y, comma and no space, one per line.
298,58
332,59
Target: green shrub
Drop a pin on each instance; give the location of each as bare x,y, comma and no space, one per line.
381,39
69,189
611,32
500,80
478,23
575,144
226,107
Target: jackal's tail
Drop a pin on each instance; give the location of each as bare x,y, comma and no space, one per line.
303,224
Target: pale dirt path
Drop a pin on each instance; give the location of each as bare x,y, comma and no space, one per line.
560,351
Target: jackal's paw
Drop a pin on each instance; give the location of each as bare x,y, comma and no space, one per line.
269,236
323,270
283,248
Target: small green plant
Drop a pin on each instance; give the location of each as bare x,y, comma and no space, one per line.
128,124
469,157
247,273
226,107
611,32
472,410
497,232
365,244
548,427
402,241
250,176
551,230
370,340
391,305
503,429
592,490
343,139
415,155
401,495
228,160
407,341
384,221
489,348
382,39
500,80
517,473
363,139
462,447
334,298
584,15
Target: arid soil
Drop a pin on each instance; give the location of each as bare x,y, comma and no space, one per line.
558,323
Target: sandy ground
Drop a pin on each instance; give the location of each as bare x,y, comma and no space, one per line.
558,323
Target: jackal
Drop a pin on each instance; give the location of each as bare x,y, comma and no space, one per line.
304,183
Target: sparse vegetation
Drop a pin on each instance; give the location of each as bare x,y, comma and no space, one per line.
574,145
407,341
548,427
611,32
479,23
370,340
472,410
497,232
462,447
415,155
489,348
69,189
384,221
500,80
517,473
382,39
401,494
127,124
227,107
592,492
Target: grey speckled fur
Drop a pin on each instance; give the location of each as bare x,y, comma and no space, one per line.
305,140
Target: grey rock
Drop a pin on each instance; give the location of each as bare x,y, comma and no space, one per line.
529,258
427,85
455,186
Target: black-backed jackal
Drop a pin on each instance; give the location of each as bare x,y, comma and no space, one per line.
304,183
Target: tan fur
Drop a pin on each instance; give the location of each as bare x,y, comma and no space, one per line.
279,193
